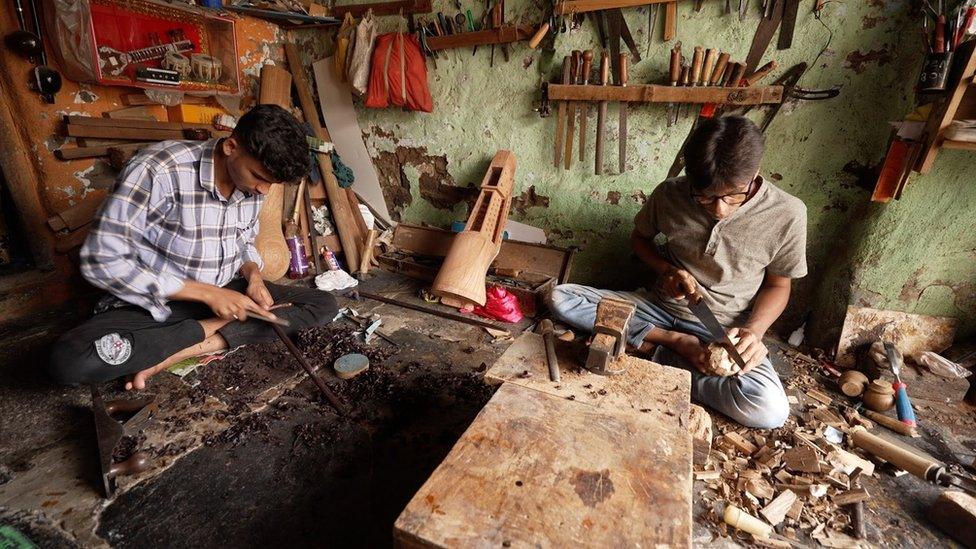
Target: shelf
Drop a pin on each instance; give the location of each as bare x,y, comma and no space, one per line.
960,94
501,35
959,145
655,93
569,7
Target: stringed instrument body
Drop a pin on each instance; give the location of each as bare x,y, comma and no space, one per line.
461,278
270,241
114,62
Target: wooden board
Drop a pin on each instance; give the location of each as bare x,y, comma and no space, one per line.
646,387
519,256
537,470
501,35
569,7
911,333
654,93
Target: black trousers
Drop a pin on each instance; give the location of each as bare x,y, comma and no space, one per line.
126,340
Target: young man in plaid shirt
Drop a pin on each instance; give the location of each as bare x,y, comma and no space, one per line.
173,244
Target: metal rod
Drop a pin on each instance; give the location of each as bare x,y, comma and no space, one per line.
444,314
329,395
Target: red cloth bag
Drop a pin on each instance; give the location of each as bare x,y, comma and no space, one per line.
398,75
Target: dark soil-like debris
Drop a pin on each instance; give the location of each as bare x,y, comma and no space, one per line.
256,424
128,445
5,474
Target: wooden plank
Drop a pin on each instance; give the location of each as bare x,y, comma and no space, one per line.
646,387
542,259
911,333
132,123
670,21
955,514
72,153
382,8
124,133
944,111
655,93
501,35
568,7
537,470
339,206
137,99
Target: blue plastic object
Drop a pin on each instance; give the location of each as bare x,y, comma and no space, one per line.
904,406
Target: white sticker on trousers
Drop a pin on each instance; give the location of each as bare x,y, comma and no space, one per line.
113,349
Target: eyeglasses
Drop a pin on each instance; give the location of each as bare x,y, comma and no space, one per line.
732,199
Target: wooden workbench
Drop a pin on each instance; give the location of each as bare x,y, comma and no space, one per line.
592,461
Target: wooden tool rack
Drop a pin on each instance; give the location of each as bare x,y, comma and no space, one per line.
958,103
656,93
502,35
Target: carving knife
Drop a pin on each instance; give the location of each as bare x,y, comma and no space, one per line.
601,113
707,318
622,166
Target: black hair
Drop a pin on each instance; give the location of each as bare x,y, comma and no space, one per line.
723,150
276,139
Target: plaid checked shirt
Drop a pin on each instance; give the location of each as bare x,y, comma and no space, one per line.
166,222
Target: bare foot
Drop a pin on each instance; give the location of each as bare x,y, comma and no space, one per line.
138,381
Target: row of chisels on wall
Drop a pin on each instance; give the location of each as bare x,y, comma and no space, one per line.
711,79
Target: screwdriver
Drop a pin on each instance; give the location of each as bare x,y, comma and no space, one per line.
904,406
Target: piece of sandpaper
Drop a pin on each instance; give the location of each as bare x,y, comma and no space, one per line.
335,99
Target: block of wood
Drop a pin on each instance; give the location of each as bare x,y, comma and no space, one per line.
645,387
537,469
955,514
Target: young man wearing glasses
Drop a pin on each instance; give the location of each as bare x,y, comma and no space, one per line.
726,235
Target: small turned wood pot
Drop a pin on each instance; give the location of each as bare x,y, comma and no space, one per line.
879,396
852,383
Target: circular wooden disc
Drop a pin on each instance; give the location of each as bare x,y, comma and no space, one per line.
351,365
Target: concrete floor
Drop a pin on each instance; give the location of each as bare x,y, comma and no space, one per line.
248,454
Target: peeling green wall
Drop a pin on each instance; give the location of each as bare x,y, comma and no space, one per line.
914,255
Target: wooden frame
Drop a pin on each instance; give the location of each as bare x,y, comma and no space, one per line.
655,93
959,103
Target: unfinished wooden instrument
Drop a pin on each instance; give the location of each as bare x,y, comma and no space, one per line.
462,276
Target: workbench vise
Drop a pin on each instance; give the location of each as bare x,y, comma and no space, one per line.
609,336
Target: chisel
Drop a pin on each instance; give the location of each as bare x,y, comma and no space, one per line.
743,8
574,71
708,67
902,404
561,116
585,107
673,75
549,339
694,73
622,165
719,72
684,80
601,113
760,73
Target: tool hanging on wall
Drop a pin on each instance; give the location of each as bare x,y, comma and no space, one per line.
601,114
585,107
574,75
561,116
622,80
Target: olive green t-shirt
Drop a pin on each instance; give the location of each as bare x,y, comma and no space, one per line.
728,258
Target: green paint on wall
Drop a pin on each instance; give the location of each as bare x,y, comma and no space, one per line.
914,255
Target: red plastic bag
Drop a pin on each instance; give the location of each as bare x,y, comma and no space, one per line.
398,75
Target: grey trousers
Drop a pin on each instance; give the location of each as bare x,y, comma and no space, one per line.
755,399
